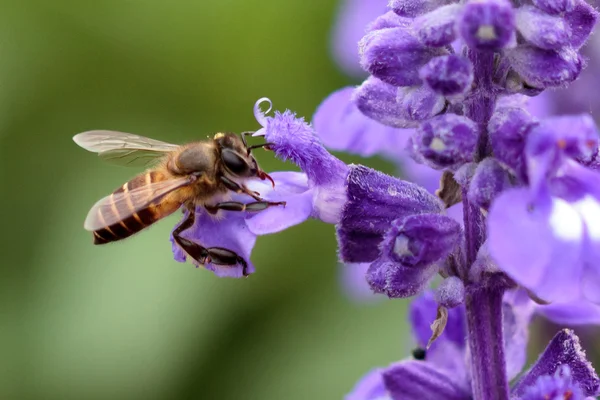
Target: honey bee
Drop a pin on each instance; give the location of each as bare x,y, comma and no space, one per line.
202,173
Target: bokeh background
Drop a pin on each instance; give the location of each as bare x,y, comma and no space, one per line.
125,321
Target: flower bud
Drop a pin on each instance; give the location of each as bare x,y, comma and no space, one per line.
450,293
545,68
412,8
542,30
388,20
397,107
554,7
448,75
420,240
581,21
487,24
508,129
375,199
436,28
396,280
489,180
446,141
395,56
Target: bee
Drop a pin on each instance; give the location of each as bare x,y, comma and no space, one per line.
202,173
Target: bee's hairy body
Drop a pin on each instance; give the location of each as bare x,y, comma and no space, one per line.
199,158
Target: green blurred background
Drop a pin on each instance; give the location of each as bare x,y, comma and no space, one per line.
125,321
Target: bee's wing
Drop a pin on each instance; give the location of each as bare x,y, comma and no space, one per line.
119,206
124,148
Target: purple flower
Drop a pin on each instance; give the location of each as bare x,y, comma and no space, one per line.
443,372
293,139
237,232
557,215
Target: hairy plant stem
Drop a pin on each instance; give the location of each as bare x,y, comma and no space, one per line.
483,304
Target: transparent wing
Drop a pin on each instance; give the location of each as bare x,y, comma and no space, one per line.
119,206
123,148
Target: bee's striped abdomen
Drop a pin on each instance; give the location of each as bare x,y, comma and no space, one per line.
134,214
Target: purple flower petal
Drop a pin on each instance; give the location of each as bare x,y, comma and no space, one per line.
342,127
275,219
543,30
229,232
394,55
545,68
580,312
564,349
375,199
436,28
350,24
295,140
354,282
557,386
448,75
487,25
419,380
518,223
369,387
581,20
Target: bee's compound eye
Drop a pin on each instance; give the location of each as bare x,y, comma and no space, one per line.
233,162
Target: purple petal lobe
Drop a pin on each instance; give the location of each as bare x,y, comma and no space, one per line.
394,55
396,280
487,25
229,232
369,387
375,199
558,386
421,240
388,20
450,293
379,101
436,28
581,20
343,127
419,380
420,103
545,68
579,312
275,219
448,75
564,349
517,223
293,139
446,141
542,30
489,180
508,129
554,7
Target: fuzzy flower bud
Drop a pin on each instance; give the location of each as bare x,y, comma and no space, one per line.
446,141
543,30
412,8
375,199
489,180
508,129
545,68
397,107
436,28
450,293
487,24
448,75
554,7
394,55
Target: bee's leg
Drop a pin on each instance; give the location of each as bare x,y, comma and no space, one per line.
237,206
231,185
203,255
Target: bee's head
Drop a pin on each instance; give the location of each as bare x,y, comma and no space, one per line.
237,157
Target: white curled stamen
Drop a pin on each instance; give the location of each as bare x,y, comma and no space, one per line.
259,114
